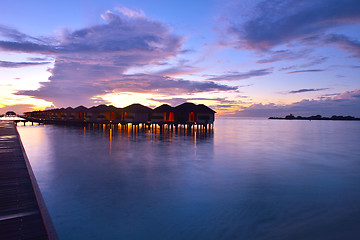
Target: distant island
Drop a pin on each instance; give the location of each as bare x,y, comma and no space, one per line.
317,117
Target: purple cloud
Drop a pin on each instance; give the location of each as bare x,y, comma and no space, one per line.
344,42
308,90
182,68
234,76
284,55
177,101
307,71
67,92
6,64
349,95
93,61
310,62
278,22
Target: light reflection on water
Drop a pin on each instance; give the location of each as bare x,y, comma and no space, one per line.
250,179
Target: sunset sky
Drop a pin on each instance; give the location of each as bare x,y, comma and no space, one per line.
242,58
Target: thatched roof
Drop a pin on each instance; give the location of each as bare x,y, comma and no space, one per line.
136,107
80,109
104,108
204,109
191,107
164,108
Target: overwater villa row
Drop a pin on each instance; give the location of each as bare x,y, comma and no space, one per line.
187,114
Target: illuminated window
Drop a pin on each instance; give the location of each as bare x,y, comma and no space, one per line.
192,117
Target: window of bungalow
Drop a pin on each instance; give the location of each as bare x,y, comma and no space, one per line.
168,116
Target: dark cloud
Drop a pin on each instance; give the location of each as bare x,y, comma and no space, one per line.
26,47
6,64
308,90
347,103
307,71
16,35
276,22
234,76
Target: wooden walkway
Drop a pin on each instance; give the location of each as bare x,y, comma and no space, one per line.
23,214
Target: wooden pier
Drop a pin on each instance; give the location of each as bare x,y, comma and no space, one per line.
23,214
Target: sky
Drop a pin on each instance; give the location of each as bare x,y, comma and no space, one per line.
242,58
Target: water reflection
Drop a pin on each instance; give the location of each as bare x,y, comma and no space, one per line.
250,179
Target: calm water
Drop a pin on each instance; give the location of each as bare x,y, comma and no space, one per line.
250,179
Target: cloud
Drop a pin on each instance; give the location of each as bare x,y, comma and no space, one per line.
177,101
38,59
347,103
310,62
16,35
180,69
93,61
344,42
349,95
177,71
19,108
234,76
284,55
307,71
82,92
26,47
308,90
5,64
131,13
277,22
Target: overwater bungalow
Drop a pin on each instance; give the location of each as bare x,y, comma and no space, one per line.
58,114
136,113
192,113
205,115
162,114
80,112
103,113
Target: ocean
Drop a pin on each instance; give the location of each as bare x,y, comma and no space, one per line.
248,179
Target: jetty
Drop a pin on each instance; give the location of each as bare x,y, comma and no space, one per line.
23,214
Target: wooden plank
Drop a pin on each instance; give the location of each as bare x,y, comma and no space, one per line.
21,214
